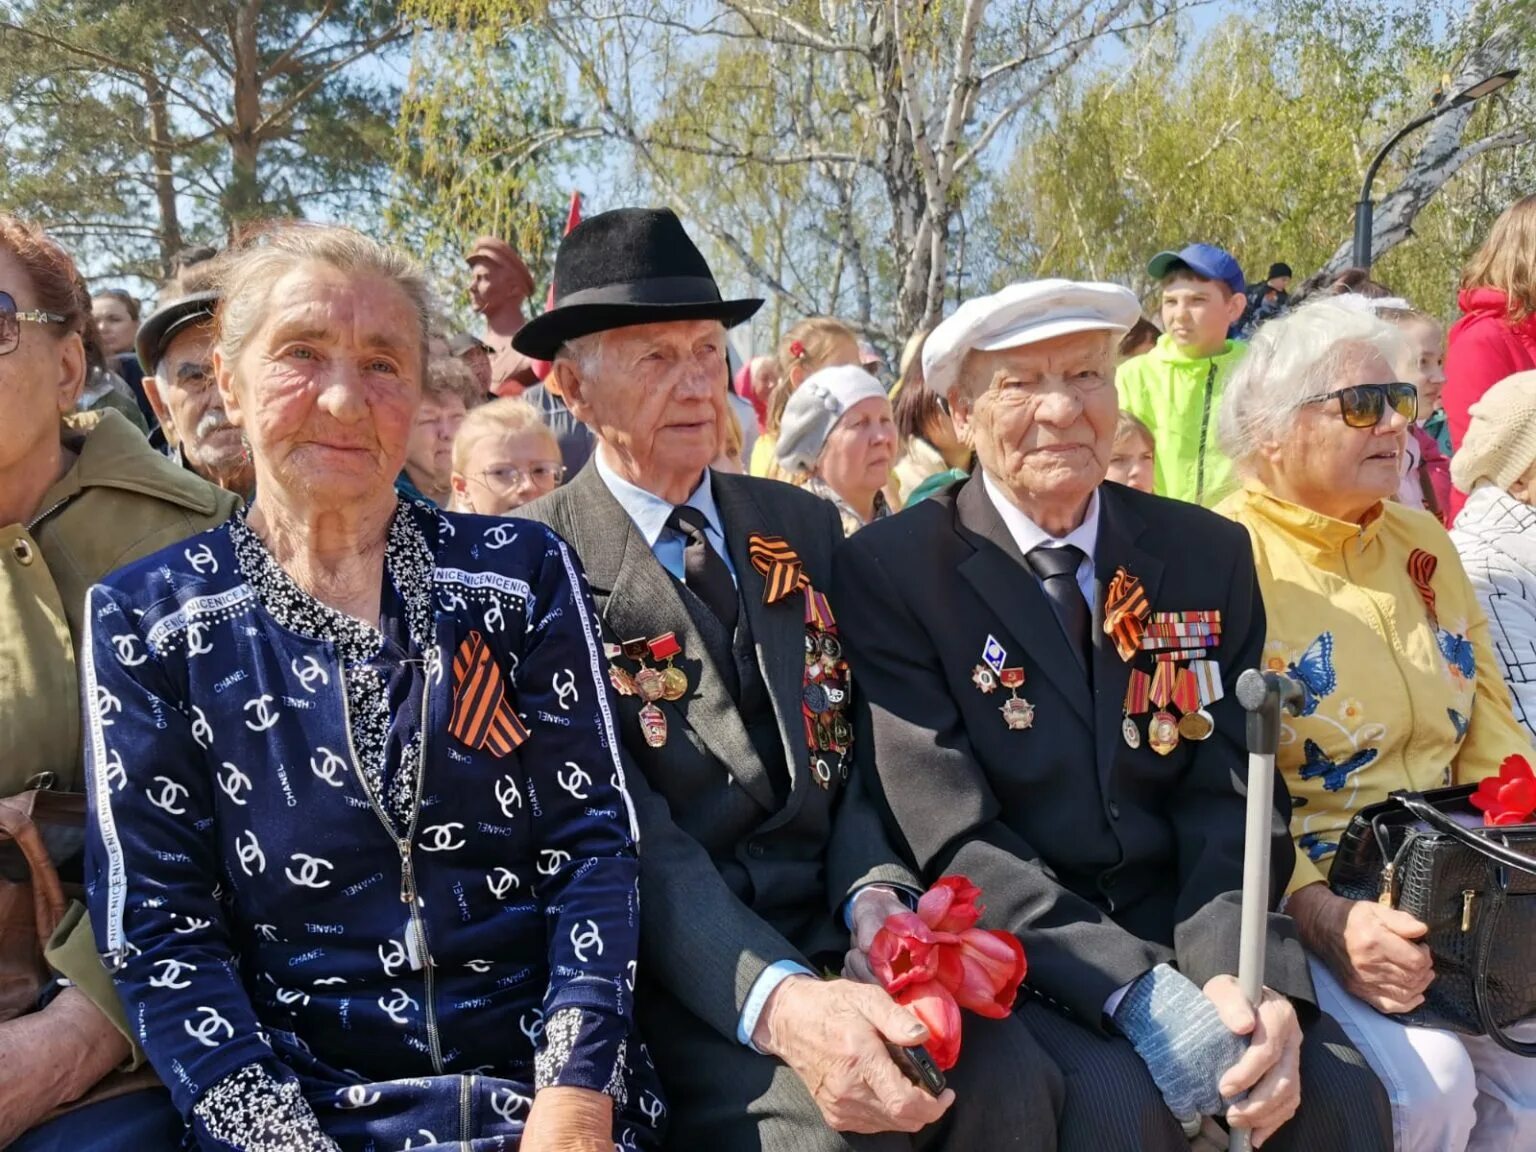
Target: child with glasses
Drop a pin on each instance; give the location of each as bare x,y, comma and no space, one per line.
503,457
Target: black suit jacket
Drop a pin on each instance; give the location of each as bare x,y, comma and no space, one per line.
1104,860
731,879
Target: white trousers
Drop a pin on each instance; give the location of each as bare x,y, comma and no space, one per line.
1449,1093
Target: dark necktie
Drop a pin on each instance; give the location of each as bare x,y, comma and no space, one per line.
704,570
1057,570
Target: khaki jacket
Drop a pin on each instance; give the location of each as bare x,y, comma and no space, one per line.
120,501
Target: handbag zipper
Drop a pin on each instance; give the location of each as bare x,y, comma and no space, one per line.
1385,897
1468,896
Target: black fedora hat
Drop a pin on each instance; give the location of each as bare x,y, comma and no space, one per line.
628,266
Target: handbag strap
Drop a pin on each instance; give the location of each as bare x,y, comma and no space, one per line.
47,892
1480,995
1440,822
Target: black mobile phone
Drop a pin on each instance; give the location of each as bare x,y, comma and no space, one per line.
918,1067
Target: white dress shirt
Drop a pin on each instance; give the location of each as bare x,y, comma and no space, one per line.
1028,535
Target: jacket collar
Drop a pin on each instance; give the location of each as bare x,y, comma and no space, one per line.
112,453
1310,534
1166,352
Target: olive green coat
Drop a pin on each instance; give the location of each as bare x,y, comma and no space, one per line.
120,501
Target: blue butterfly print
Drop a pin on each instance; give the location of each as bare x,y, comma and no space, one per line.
1458,653
1314,672
1333,774
1315,846
1459,722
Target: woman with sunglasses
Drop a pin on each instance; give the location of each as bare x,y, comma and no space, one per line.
1369,609
80,494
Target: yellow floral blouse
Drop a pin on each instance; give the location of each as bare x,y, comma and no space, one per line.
1402,690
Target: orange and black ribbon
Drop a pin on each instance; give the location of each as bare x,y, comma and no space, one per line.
1421,569
1125,613
779,565
482,716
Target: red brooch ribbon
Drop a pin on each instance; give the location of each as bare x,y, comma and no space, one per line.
936,961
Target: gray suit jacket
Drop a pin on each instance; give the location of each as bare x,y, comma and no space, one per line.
731,880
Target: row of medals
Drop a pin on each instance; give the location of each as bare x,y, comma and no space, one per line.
651,684
826,694
1164,729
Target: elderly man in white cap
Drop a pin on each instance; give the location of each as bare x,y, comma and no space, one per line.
1045,655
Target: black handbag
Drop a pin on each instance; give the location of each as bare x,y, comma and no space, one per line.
1476,890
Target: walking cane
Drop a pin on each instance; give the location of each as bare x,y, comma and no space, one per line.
1262,695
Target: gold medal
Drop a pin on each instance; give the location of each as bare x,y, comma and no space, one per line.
1163,733
1196,725
653,725
674,683
648,682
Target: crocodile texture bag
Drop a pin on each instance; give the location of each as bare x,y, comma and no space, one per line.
1474,887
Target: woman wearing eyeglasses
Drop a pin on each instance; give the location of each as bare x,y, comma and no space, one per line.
504,456
1369,609
80,494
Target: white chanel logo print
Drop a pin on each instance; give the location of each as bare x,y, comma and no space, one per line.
249,851
309,870
330,768
501,882
498,537
170,976
308,671
550,860
508,796
442,838
202,560
396,1005
582,940
566,691
576,781
127,655
265,717
207,1030
234,782
166,798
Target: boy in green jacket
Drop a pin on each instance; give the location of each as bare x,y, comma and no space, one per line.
1175,389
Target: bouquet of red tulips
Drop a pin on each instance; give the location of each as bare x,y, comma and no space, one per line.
935,961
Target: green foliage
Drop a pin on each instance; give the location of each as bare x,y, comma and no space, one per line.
1255,138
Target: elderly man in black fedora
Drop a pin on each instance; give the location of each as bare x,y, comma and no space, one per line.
763,862
1046,657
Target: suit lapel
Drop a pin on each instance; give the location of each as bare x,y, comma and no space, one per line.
998,573
1119,531
637,598
778,630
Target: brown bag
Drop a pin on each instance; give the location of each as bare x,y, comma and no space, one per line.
32,898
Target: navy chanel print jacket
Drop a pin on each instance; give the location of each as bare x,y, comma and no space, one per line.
382,883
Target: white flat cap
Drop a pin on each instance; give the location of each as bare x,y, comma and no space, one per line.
1024,314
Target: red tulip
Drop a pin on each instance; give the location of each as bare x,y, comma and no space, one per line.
992,968
1509,797
950,905
937,1009
904,952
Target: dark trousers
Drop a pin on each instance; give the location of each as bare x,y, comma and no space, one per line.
726,1098
1112,1104
142,1121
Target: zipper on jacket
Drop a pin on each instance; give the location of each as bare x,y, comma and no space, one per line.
407,868
1205,421
466,1095
47,512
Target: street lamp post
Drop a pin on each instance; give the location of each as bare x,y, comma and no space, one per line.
1365,210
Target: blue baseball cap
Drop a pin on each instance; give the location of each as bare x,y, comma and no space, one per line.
1204,260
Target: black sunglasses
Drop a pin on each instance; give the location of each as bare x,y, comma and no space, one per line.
1363,405
10,322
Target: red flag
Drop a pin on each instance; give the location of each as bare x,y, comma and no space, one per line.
541,367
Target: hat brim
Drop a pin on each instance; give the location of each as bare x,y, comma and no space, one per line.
156,333
542,336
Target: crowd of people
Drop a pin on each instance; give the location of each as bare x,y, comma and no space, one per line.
518,738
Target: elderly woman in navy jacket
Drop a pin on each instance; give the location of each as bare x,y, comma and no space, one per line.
361,855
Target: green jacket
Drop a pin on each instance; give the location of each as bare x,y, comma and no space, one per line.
120,501
1179,399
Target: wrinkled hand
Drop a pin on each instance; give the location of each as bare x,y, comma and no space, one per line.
1270,1071
1369,947
52,1057
871,907
832,1034
569,1120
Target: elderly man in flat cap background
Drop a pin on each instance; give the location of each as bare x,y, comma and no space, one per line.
499,287
762,860
1044,654
175,346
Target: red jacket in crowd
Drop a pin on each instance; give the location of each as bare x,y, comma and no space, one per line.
1484,348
